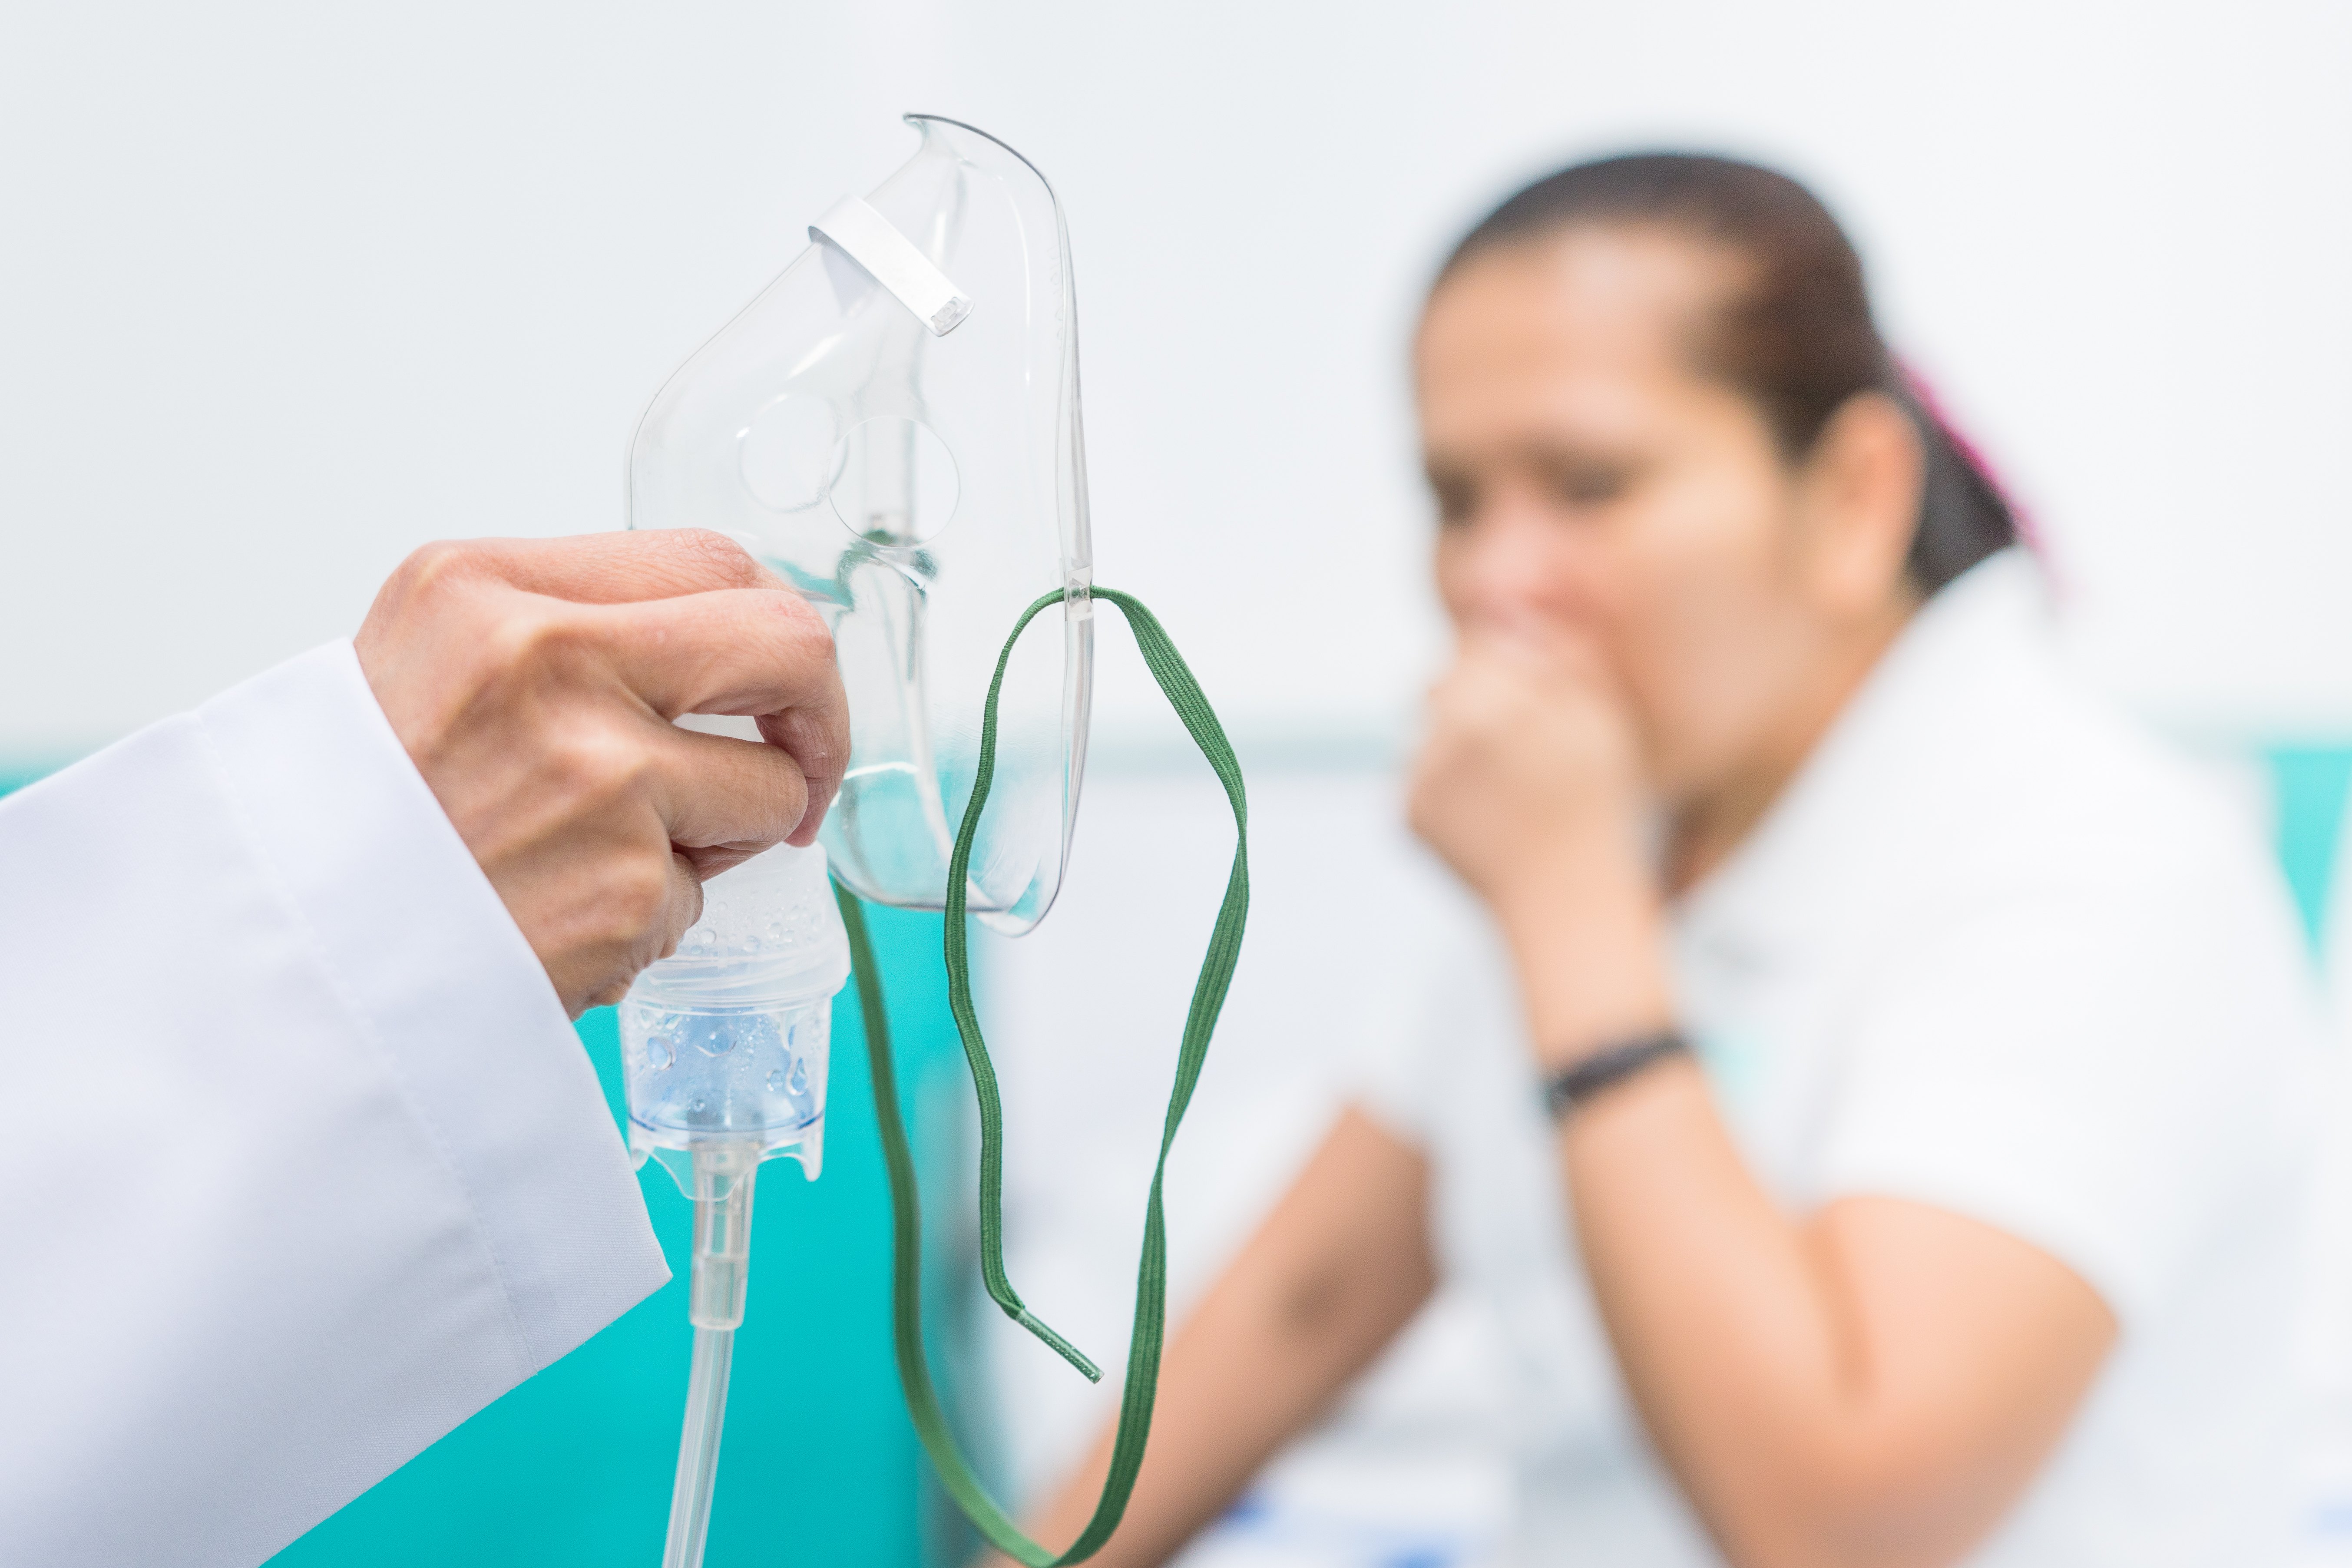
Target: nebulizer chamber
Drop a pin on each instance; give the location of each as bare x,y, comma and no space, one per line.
726,1040
893,427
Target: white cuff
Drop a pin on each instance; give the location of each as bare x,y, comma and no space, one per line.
427,958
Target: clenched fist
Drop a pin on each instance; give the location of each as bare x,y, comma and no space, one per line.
1530,783
534,683
1528,766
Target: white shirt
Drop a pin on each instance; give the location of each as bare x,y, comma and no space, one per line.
1994,952
304,1165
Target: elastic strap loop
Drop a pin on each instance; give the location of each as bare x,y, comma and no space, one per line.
1184,694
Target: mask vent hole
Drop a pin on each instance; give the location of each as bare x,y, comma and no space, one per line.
896,482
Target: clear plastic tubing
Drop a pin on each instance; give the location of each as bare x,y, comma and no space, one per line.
725,1173
697,1452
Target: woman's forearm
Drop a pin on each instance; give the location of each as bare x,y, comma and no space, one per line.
1872,1387
1341,1263
1729,1343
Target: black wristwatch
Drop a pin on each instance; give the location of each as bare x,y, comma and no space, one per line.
1564,1090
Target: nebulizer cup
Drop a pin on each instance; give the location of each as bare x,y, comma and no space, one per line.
724,1049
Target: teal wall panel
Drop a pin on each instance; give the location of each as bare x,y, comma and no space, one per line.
16,775
2308,783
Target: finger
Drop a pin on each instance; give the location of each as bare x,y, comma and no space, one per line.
757,652
1466,680
709,863
1559,664
1510,647
611,568
684,906
817,739
1553,643
723,800
748,651
681,906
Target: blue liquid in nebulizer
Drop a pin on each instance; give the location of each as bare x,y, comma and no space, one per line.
728,1040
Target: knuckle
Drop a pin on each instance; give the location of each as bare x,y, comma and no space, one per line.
810,746
637,895
806,628
436,568
788,793
721,556
509,641
610,993
525,634
799,633
415,597
689,897
597,765
814,643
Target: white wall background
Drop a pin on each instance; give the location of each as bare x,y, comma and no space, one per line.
287,289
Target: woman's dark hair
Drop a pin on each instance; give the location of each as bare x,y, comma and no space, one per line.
1796,335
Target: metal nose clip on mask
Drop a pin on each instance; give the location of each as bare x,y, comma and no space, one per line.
893,427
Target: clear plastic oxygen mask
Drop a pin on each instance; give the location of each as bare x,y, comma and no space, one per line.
893,427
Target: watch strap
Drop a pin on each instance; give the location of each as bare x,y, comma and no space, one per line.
1572,1086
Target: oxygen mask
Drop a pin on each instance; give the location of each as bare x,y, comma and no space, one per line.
893,427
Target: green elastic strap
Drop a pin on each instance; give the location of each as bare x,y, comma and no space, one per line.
1183,693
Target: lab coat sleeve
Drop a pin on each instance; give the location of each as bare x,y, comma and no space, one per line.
303,1162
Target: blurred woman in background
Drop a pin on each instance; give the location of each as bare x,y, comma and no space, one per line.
1874,1109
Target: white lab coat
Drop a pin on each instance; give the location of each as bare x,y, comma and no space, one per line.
303,1164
